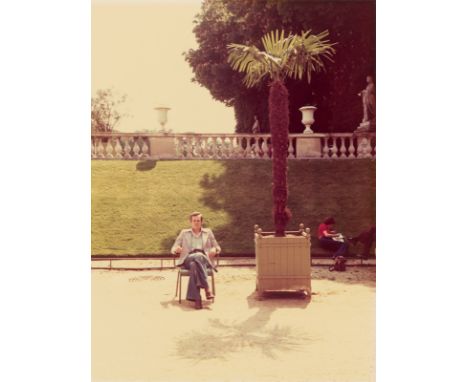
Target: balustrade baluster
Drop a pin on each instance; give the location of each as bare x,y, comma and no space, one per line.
189,148
290,148
100,149
118,149
255,148
181,148
222,148
341,148
258,148
127,149
201,147
229,147
109,149
243,145
144,149
269,148
234,147
334,149
208,148
136,149
351,148
219,148
238,150
248,148
326,148
195,148
252,147
265,148
349,141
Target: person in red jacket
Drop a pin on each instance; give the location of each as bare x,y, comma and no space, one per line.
329,239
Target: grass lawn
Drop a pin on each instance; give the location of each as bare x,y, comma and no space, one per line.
140,207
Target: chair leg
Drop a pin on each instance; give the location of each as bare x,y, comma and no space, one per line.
180,289
213,284
177,284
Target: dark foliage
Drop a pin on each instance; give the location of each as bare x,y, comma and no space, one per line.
351,24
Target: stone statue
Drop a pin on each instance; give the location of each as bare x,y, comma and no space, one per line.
368,102
255,126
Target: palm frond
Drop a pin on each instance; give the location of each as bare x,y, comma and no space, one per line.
290,56
250,60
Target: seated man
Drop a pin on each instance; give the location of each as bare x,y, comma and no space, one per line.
330,240
197,248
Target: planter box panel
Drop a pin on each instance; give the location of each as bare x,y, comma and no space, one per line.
283,263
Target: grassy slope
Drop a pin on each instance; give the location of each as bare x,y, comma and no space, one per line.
140,207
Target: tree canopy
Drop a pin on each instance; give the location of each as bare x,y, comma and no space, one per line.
104,113
350,23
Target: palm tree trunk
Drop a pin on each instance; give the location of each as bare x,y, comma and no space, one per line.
279,124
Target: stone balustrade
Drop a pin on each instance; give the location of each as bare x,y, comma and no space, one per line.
120,146
349,145
139,146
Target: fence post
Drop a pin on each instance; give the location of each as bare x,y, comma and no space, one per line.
309,146
162,146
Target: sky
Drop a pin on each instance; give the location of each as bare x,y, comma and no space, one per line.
137,50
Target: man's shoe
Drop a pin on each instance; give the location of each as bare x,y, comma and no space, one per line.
198,304
209,295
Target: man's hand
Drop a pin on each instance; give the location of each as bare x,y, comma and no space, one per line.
178,250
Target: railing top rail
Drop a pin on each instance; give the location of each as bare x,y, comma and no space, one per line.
220,135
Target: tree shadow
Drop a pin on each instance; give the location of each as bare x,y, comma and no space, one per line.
223,337
185,305
317,188
146,165
343,189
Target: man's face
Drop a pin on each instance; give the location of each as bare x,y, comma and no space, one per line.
196,222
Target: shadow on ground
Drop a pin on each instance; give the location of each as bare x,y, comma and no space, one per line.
222,338
311,198
353,275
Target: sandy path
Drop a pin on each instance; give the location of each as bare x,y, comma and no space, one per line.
140,333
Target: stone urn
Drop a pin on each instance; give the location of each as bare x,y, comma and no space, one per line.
162,116
283,263
308,117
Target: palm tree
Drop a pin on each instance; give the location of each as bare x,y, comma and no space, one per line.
291,56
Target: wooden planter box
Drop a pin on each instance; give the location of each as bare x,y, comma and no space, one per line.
283,263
